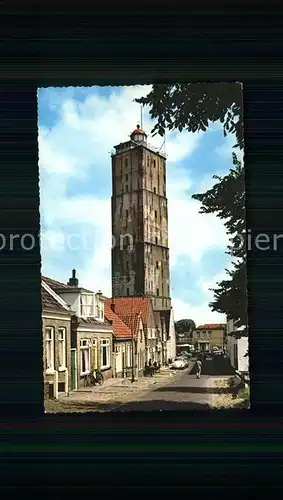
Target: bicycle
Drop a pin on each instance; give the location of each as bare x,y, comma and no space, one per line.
93,378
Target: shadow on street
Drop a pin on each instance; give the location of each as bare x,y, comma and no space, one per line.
194,389
215,367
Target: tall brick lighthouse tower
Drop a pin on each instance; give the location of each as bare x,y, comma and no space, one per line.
140,257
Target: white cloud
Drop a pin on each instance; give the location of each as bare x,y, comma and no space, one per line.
199,314
202,313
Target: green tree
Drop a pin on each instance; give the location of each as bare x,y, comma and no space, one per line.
226,200
194,106
185,325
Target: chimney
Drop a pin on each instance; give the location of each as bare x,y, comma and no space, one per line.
73,281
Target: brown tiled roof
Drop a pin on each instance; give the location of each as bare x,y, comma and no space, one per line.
49,303
127,306
120,329
57,285
211,326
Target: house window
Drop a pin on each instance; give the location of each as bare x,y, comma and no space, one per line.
85,356
154,190
156,240
87,304
157,292
49,348
126,177
127,213
62,347
105,354
155,214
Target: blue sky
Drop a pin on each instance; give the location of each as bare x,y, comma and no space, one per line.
78,127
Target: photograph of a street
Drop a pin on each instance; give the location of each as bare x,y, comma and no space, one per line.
143,242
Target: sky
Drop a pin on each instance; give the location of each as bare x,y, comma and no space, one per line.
77,129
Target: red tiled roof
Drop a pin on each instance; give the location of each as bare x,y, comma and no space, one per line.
211,326
128,306
132,321
49,303
120,329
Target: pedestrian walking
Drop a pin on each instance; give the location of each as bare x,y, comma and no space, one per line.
199,365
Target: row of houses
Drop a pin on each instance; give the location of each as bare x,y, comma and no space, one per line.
85,331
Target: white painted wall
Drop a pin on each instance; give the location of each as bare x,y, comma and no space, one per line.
72,299
242,346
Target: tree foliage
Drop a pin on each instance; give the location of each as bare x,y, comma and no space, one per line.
226,200
193,106
185,325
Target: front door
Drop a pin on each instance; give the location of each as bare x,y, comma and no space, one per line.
73,369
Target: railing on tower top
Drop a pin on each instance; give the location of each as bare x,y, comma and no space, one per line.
132,145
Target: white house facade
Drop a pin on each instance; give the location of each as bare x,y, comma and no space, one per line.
237,348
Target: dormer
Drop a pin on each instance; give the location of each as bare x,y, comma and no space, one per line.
99,310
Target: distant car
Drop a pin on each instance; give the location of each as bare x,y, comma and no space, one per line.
179,364
216,351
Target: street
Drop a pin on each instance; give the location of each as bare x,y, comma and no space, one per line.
168,390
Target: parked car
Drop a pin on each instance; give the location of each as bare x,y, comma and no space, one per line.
179,364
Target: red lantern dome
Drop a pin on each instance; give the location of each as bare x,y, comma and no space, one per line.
138,135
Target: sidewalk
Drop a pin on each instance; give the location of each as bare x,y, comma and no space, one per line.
114,391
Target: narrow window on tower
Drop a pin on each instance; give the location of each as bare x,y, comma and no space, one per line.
154,190
126,177
127,213
126,162
128,292
148,161
157,292
156,240
126,188
156,264
154,163
155,214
